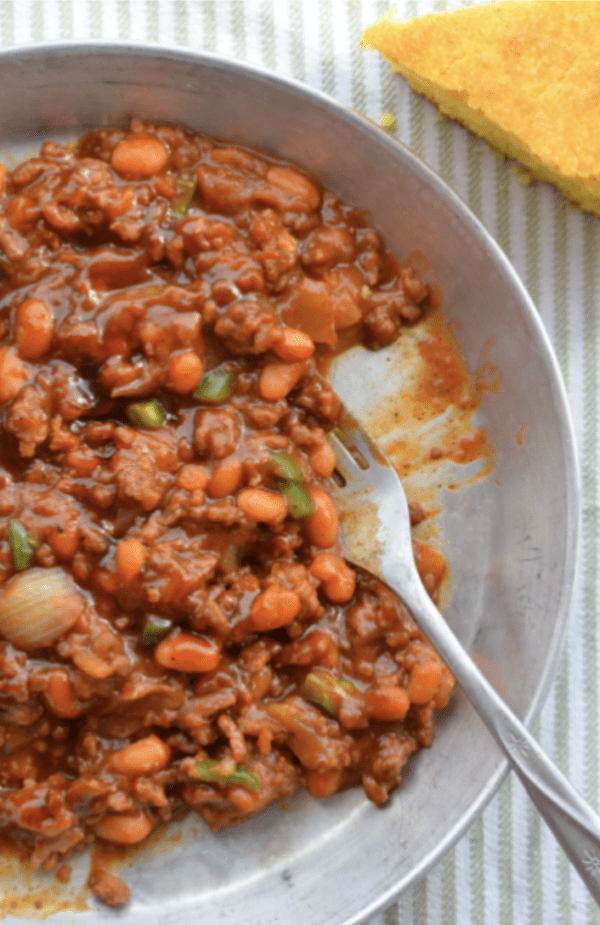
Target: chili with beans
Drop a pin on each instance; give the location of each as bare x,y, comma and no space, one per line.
178,627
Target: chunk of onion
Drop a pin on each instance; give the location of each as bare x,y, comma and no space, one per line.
39,605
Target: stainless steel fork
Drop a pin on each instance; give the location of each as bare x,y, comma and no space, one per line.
376,535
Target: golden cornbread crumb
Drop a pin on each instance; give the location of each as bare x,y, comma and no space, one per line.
523,74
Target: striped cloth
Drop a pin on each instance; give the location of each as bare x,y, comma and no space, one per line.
507,870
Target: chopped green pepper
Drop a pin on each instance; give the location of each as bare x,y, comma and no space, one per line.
186,187
304,740
216,386
147,413
241,776
322,688
299,501
154,629
286,467
22,545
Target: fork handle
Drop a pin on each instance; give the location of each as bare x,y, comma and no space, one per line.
574,823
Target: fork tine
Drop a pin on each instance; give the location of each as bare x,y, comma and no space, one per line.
361,445
369,449
345,460
353,431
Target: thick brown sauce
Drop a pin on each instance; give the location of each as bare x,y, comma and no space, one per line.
440,382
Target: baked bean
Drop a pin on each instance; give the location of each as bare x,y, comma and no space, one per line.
323,783
388,704
233,157
14,373
129,558
60,696
186,652
125,828
34,329
337,579
138,157
64,540
445,688
423,681
322,460
146,756
263,506
294,345
185,372
275,607
277,380
322,527
226,478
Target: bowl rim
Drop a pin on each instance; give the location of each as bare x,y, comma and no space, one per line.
186,55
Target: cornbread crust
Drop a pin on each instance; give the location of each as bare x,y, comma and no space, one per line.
523,74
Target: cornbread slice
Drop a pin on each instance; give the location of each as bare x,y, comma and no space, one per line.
523,74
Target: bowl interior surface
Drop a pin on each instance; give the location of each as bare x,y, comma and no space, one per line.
511,538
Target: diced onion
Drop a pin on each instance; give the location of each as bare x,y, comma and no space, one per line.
37,606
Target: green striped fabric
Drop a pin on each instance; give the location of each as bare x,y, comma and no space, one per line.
507,869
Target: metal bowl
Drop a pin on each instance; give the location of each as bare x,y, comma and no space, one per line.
512,538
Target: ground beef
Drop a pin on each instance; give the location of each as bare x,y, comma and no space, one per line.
178,627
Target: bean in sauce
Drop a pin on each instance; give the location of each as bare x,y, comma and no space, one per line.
178,627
